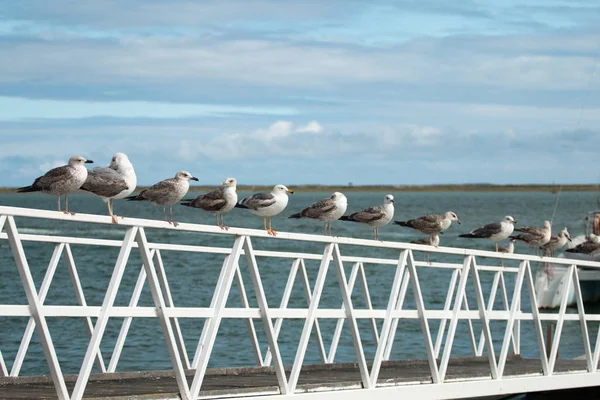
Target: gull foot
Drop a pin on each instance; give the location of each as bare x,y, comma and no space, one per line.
224,227
115,219
271,232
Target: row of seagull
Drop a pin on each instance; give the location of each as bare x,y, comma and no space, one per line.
118,181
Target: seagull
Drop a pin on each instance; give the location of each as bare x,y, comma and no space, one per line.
431,240
328,210
218,201
61,180
267,204
167,192
590,247
534,236
116,181
496,231
509,248
556,242
429,224
376,216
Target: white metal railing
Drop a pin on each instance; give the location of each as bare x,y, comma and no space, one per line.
152,272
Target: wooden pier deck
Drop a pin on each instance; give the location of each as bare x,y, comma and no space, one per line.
233,382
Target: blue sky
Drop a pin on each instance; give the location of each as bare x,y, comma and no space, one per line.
298,92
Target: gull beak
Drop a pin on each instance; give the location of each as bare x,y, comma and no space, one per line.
458,221
569,238
290,191
193,178
514,222
89,162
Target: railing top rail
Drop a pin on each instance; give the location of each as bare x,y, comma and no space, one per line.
210,229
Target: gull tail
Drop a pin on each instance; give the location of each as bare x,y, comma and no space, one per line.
295,216
403,223
187,203
138,197
469,235
240,205
27,189
346,218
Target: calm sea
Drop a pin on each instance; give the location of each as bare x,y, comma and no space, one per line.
192,276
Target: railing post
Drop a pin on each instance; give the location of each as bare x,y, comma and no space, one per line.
36,309
102,320
207,339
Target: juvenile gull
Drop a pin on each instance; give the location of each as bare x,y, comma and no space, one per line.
376,216
496,231
61,180
431,240
167,192
218,201
116,181
267,204
534,236
509,248
556,242
327,210
590,247
429,224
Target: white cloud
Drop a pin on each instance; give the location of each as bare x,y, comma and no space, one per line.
311,127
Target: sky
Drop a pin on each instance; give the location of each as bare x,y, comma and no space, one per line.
304,92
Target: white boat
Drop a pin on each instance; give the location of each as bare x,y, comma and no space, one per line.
550,279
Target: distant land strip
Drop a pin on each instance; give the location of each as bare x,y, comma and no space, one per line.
475,187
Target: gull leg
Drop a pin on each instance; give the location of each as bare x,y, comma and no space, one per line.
58,198
376,233
223,226
496,247
171,216
217,219
271,231
165,213
67,205
110,212
325,229
265,223
329,228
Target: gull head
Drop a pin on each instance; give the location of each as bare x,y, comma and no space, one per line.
451,215
388,199
229,183
339,198
565,233
547,225
281,189
78,160
593,238
185,176
119,161
510,219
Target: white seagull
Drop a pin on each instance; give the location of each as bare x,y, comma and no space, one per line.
218,201
116,181
167,192
509,248
327,210
376,216
496,231
267,204
61,181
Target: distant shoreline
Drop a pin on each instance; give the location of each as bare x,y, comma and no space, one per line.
478,187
